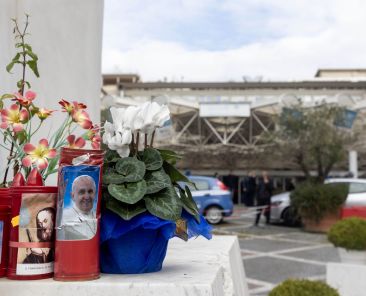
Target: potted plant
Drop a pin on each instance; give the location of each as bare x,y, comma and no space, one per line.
318,204
297,287
145,199
349,236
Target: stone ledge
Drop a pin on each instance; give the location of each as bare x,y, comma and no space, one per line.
348,279
198,267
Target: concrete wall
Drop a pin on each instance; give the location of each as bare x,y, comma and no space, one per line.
67,37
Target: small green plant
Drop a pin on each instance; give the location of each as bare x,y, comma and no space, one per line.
314,200
303,288
349,234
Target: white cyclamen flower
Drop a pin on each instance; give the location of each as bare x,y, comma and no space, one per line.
130,117
124,151
150,116
162,116
118,118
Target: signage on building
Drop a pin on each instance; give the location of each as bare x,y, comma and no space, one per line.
225,110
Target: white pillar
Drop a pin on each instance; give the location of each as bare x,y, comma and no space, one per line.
353,164
67,37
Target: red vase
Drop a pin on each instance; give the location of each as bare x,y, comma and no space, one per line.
5,209
31,243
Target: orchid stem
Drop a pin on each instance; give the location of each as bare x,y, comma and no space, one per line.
145,141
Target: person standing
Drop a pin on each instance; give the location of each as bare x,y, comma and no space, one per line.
264,193
249,187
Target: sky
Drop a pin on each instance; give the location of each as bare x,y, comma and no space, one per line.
232,40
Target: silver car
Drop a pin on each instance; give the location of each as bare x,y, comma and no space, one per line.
282,212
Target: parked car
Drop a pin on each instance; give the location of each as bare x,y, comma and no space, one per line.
212,197
355,203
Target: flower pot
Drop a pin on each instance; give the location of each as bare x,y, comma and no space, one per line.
352,256
5,209
323,225
31,243
135,246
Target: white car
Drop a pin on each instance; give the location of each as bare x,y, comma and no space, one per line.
282,212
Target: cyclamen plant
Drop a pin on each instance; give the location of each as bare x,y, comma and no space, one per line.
137,180
22,119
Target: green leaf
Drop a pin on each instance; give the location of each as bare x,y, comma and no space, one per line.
125,211
169,156
10,66
111,156
152,159
188,203
32,55
28,84
175,175
6,96
28,47
20,84
156,181
16,57
22,137
164,204
129,193
113,178
33,65
1,104
131,169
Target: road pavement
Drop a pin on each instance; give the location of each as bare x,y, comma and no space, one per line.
273,253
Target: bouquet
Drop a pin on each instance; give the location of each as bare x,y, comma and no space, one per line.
22,118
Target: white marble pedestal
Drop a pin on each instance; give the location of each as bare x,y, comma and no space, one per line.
348,279
198,267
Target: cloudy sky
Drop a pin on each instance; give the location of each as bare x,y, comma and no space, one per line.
222,40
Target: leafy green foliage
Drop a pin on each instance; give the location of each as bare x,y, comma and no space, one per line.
131,169
349,234
188,203
113,178
314,200
126,211
169,156
129,193
111,156
294,287
135,186
175,175
164,204
156,181
152,159
310,138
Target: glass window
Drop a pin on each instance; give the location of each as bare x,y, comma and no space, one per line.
357,187
201,185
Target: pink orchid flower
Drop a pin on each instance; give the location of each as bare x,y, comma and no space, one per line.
43,113
70,107
93,136
38,155
82,118
14,117
76,144
27,99
95,141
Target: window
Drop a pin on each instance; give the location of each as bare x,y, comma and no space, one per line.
357,187
200,184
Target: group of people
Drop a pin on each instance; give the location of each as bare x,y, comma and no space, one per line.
257,192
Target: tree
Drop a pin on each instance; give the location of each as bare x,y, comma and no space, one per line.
313,137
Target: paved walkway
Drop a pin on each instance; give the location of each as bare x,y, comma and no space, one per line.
273,253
